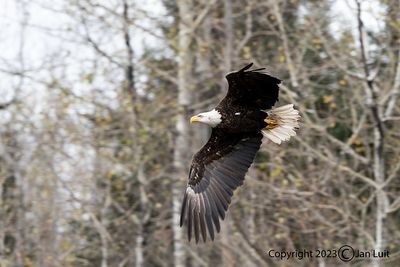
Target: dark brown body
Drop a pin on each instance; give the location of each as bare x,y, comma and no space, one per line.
239,118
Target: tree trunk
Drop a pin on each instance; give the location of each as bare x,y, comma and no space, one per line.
181,154
203,68
378,162
227,256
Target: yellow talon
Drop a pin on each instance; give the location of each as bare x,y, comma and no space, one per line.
271,123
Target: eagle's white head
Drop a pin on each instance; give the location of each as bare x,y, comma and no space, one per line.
212,118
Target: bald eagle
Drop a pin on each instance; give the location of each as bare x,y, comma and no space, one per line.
239,123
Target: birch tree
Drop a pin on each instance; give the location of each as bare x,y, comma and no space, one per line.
182,145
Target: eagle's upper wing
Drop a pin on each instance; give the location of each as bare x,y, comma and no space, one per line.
216,171
253,87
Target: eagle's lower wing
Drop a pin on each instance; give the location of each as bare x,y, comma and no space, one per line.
216,171
253,87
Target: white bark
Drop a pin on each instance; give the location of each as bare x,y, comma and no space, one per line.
144,212
226,228
378,162
203,57
182,127
101,228
139,233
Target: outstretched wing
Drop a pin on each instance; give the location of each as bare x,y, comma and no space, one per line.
216,171
253,87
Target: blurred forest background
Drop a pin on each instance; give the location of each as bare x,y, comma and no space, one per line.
95,144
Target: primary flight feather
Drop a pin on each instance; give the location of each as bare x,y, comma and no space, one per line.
239,123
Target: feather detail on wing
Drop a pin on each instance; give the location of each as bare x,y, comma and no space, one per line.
254,87
216,171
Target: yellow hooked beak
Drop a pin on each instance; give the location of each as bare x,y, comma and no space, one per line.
194,118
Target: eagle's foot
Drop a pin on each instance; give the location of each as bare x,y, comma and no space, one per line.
271,123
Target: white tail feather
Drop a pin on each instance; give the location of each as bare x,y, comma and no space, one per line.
287,119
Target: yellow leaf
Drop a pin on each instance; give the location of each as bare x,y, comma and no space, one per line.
110,174
246,52
326,99
356,141
317,41
262,166
98,119
108,118
286,209
278,236
297,183
276,172
359,149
